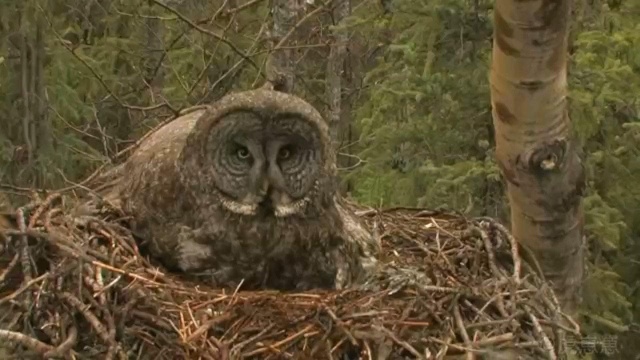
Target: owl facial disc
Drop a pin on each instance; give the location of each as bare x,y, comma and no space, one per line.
274,168
264,165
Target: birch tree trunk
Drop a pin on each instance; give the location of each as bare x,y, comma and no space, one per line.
534,146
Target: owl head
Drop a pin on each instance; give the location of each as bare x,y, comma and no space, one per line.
261,152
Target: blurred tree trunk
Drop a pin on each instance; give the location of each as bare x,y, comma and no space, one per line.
40,104
347,133
27,117
534,145
36,124
279,67
154,75
335,70
339,84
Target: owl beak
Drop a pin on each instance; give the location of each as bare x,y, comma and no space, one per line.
264,188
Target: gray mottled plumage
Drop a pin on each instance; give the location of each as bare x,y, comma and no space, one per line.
245,189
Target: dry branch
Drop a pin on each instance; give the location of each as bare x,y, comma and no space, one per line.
448,286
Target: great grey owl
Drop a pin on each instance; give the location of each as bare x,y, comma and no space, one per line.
245,190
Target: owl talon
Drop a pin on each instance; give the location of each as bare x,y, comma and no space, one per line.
191,255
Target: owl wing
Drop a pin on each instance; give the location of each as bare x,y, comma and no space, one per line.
152,163
147,188
356,258
356,231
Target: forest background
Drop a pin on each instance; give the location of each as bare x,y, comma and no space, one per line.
403,83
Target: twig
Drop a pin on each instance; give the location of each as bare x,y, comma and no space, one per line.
100,329
206,326
545,339
237,349
24,288
206,31
279,343
26,341
65,346
291,31
404,344
340,325
243,7
12,264
25,257
461,328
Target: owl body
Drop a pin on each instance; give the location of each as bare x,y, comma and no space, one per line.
245,191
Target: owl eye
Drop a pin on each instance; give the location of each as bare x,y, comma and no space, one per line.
285,152
242,153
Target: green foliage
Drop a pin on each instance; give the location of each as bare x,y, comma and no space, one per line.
605,99
425,126
427,123
100,60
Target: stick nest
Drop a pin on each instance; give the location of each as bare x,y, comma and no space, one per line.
76,286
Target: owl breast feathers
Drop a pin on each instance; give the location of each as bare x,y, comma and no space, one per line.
245,190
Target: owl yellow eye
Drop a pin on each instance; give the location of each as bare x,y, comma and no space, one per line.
243,153
285,153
